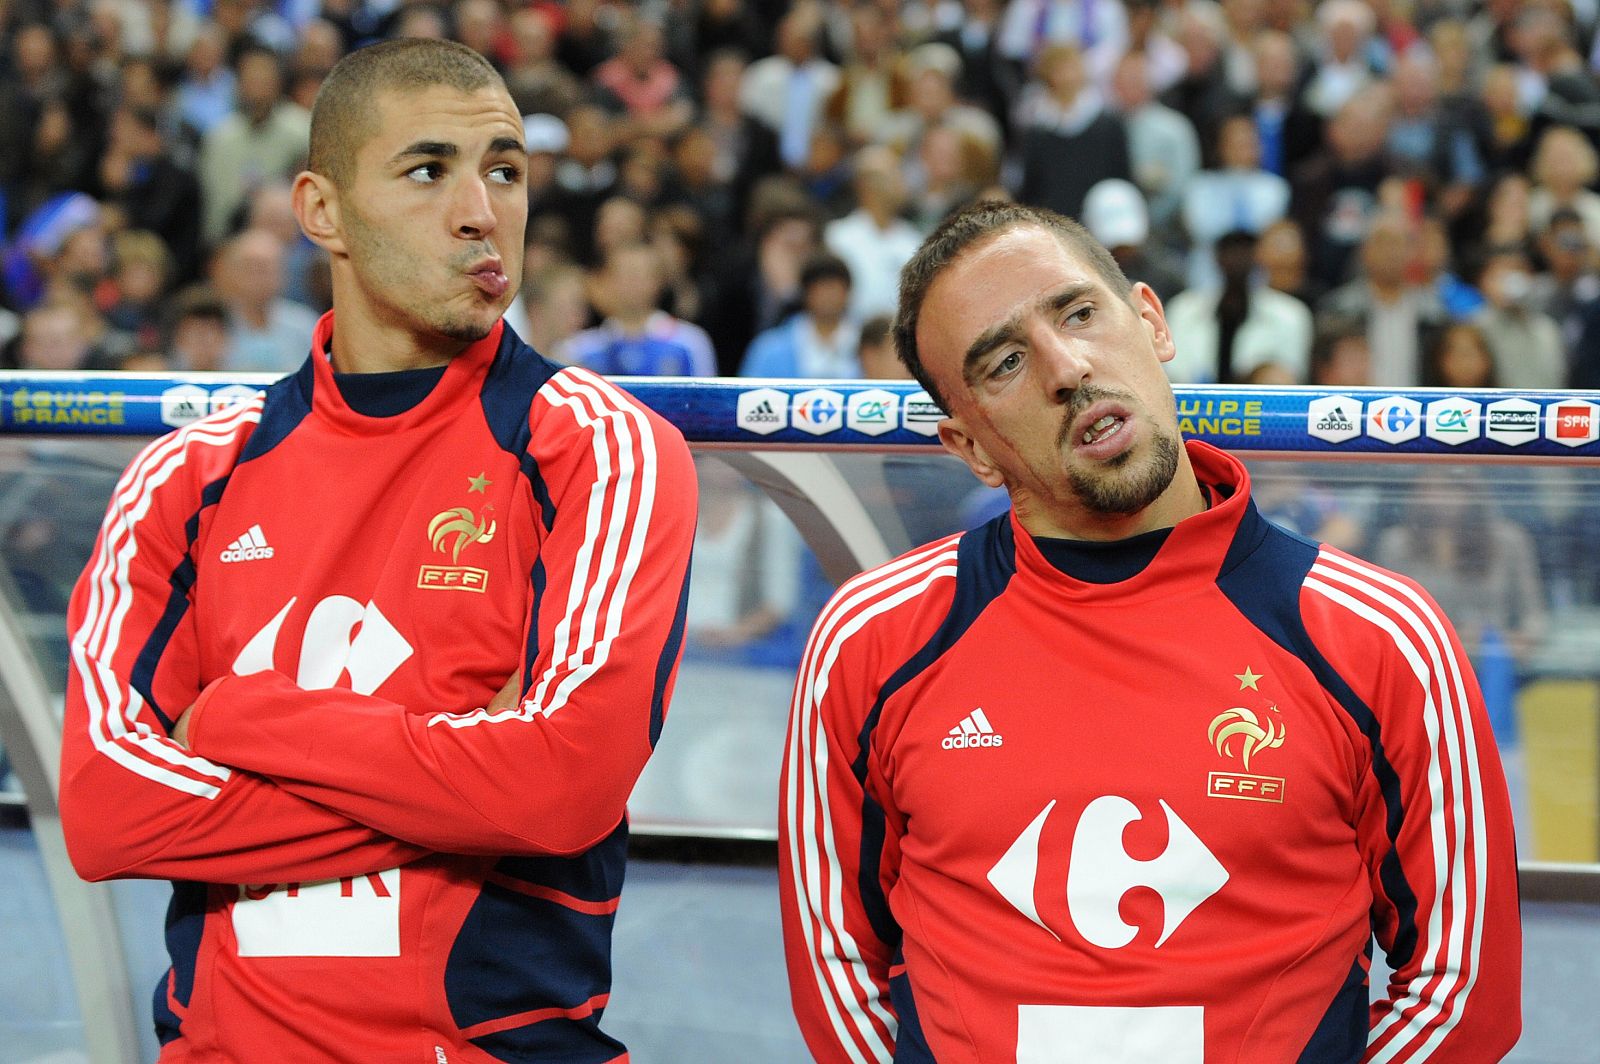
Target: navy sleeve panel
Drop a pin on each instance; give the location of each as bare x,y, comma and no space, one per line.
985,563
514,379
1341,1036
910,1044
669,658
530,970
288,403
1262,576
186,917
142,679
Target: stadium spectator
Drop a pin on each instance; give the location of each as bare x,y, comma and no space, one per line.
1115,212
1526,342
678,235
745,149
271,207
1427,142
552,307
266,332
637,337
1508,143
1564,166
1287,129
1030,27
787,91
934,70
1281,255
205,94
197,332
874,240
586,174
873,82
264,139
640,84
1460,359
537,80
821,340
955,165
1226,332
1506,226
1570,281
1402,317
54,338
1202,92
1435,266
142,273
988,80
1341,357
1066,139
1345,66
758,284
139,180
1334,193
1163,148
481,26
875,351
1236,196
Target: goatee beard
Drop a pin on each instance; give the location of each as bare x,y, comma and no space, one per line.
1117,490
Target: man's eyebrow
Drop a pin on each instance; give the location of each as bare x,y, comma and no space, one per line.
426,149
1011,329
500,144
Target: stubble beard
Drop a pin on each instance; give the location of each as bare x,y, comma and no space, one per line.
389,267
1126,484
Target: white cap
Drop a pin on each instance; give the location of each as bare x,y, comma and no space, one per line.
544,133
1115,212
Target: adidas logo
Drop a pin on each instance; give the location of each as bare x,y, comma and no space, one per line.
762,412
973,731
250,547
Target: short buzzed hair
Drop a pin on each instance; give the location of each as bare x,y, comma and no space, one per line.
968,226
344,114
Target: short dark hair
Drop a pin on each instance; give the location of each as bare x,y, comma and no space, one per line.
343,116
971,225
823,266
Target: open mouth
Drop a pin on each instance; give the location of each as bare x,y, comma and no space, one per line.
1107,426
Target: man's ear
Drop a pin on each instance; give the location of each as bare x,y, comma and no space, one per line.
316,206
953,434
1148,306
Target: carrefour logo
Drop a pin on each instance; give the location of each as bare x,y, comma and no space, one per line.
1395,419
872,412
818,411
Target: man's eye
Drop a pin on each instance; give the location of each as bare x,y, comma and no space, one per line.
426,174
1007,364
1081,315
505,175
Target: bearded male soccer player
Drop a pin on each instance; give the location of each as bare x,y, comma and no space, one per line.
287,645
1129,775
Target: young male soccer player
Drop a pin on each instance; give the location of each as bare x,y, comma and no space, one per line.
1129,775
288,641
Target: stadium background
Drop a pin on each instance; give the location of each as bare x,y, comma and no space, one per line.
1346,195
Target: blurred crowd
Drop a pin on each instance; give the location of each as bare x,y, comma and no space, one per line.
1345,192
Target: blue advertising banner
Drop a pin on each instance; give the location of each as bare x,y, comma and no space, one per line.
822,414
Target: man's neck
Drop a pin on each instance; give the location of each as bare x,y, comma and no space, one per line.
632,322
364,342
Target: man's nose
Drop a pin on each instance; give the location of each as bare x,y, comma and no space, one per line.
474,211
1064,361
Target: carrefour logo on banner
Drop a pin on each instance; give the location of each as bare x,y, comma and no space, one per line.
1453,421
763,411
872,412
818,411
1395,419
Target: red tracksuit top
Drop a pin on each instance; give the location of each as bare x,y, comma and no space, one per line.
1152,820
368,867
